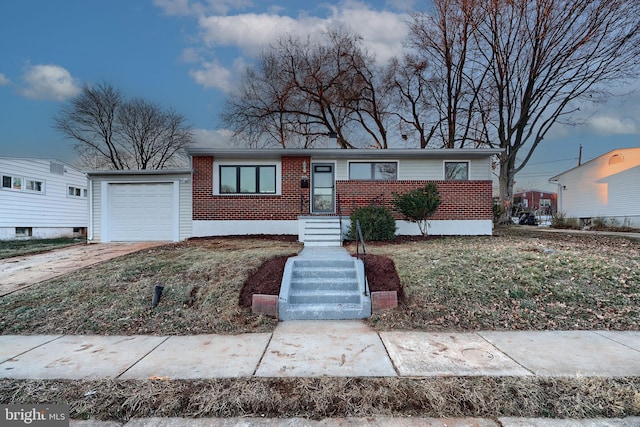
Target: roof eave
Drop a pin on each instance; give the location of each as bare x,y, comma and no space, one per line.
455,153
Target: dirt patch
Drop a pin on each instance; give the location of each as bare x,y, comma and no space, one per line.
266,280
381,275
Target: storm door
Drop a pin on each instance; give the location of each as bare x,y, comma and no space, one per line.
323,188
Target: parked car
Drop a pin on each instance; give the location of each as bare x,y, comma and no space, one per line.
527,218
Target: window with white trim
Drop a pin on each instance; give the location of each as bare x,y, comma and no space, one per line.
373,171
10,182
456,171
247,179
76,192
34,185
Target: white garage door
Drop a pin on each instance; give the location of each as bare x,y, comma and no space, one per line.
141,212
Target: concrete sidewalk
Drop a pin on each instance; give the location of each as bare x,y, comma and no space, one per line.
327,348
322,348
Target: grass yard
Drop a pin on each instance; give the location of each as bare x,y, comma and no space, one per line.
519,279
11,248
202,280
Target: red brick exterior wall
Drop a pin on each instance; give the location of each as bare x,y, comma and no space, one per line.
460,200
533,199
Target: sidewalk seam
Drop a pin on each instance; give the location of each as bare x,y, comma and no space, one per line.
141,358
615,341
264,352
32,348
506,354
395,368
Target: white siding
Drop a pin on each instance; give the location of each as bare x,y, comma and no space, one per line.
419,168
101,182
598,189
52,208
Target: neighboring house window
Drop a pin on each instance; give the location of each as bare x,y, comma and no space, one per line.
384,171
76,191
248,179
456,171
24,232
11,182
34,185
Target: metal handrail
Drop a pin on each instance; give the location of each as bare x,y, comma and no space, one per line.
364,255
302,203
340,217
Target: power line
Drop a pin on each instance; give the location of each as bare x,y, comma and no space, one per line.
552,161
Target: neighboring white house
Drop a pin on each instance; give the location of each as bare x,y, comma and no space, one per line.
139,205
41,198
606,187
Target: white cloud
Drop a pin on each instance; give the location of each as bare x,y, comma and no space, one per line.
4,80
49,82
611,125
383,32
252,32
213,75
218,138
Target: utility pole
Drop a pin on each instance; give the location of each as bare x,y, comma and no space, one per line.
580,156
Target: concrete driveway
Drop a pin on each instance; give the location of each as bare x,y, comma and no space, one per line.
21,272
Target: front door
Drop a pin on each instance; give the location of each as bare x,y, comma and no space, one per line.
323,188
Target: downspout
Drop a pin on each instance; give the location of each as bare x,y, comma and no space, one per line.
90,225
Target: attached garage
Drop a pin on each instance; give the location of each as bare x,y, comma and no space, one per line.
136,206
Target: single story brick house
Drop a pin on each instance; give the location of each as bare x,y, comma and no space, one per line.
542,202
274,191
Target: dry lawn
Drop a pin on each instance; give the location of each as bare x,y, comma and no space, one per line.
318,398
517,279
201,279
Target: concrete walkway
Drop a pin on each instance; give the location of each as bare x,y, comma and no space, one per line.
327,348
323,348
20,272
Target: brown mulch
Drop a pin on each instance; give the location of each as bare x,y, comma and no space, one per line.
381,275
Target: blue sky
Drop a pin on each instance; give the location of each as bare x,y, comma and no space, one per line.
186,55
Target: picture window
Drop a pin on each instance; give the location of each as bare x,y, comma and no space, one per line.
456,171
248,179
373,171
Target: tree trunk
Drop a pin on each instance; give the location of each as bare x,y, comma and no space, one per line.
506,181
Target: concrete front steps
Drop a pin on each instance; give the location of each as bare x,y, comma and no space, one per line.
323,283
322,231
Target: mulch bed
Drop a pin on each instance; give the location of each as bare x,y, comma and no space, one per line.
381,274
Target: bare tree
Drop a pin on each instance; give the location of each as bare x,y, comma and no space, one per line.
444,69
301,91
543,57
112,132
411,102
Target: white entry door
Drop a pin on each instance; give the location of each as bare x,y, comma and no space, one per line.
323,188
